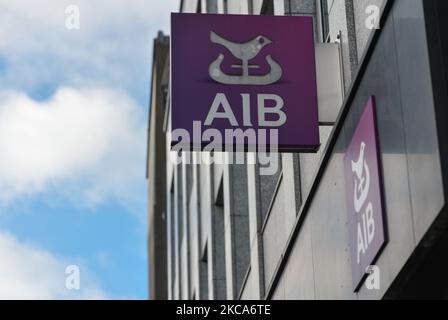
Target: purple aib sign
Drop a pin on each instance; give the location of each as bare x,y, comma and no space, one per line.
364,196
239,74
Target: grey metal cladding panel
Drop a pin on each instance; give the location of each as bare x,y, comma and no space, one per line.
253,196
195,257
217,259
274,235
212,6
279,293
300,6
257,6
218,242
220,289
205,203
176,231
229,261
217,171
291,197
237,7
194,214
425,175
299,271
309,163
239,190
329,235
267,187
248,291
381,79
184,271
327,213
329,4
242,249
190,6
337,19
363,33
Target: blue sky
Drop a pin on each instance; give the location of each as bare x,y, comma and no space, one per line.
73,118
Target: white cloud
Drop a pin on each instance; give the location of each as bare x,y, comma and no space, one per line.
86,144
68,139
112,47
28,272
89,142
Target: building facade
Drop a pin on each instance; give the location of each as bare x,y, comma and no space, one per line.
228,232
156,169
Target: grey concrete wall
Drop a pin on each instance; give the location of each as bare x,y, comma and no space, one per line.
342,29
257,6
236,220
190,6
211,6
238,7
177,236
194,232
157,240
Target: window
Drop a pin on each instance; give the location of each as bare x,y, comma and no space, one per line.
268,7
189,178
211,6
268,186
219,253
203,277
323,17
172,239
240,233
250,6
180,211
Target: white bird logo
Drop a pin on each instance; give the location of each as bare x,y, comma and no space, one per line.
362,183
245,52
